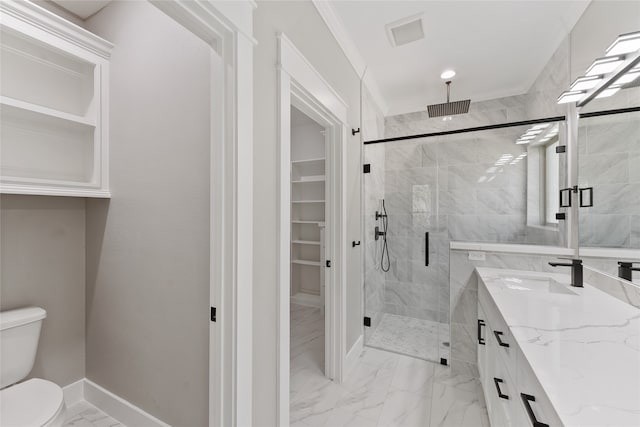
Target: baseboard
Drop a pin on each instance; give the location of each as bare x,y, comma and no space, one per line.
306,299
73,393
114,406
352,356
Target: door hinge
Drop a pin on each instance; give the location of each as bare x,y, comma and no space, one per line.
367,321
366,168
328,263
561,149
213,314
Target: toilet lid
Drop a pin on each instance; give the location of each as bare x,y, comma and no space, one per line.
31,403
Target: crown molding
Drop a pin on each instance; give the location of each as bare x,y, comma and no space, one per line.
337,28
49,22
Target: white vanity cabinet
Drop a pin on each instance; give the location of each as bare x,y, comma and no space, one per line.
53,105
505,376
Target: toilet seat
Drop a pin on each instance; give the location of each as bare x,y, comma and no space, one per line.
35,402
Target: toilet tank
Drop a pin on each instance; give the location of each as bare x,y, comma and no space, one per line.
19,334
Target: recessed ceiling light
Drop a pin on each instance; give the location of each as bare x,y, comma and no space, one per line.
585,83
625,43
447,74
604,65
571,96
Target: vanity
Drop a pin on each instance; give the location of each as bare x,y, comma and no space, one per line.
550,354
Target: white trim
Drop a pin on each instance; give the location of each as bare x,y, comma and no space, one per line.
511,248
53,191
354,354
618,253
227,28
300,84
73,393
120,409
340,33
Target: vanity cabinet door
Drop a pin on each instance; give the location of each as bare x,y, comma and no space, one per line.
532,399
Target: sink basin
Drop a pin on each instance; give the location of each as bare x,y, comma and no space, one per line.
536,284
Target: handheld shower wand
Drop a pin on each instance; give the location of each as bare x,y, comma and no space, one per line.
385,227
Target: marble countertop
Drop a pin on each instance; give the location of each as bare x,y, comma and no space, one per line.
583,346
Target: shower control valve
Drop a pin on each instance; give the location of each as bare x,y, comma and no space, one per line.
379,233
380,215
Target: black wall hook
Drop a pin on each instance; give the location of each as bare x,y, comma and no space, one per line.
354,131
354,243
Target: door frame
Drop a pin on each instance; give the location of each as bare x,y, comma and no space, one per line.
227,27
301,85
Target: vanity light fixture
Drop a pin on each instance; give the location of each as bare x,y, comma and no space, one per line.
571,96
609,91
585,83
629,76
625,43
541,126
604,65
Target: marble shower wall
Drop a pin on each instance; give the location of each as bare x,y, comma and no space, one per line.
609,161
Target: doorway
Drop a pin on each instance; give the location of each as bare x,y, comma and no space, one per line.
309,207
302,87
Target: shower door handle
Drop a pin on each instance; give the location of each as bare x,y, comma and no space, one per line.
426,249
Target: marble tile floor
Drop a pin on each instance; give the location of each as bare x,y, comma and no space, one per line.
384,389
84,414
424,339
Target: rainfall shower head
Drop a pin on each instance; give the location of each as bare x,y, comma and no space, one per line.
449,108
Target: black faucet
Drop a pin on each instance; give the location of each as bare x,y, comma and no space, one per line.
625,269
576,270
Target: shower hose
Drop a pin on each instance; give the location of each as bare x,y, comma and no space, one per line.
385,247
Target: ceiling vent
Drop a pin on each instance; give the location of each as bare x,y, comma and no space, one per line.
405,30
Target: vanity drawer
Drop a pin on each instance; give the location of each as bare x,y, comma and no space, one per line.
531,394
497,331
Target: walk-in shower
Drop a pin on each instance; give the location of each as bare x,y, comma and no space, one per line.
421,194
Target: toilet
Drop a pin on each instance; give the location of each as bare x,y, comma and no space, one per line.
35,402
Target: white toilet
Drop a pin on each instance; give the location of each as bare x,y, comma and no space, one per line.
35,402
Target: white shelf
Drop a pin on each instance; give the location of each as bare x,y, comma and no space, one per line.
299,221
306,262
318,160
306,179
27,106
306,242
307,201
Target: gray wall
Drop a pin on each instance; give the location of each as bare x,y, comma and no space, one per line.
305,28
147,248
42,263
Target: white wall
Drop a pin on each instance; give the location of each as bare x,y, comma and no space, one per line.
304,26
148,247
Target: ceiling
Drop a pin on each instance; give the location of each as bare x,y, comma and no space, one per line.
497,48
82,8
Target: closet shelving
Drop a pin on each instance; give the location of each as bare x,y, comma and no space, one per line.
53,105
308,216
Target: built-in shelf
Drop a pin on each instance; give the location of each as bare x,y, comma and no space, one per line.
307,201
54,86
306,179
306,262
317,160
306,242
27,106
299,221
